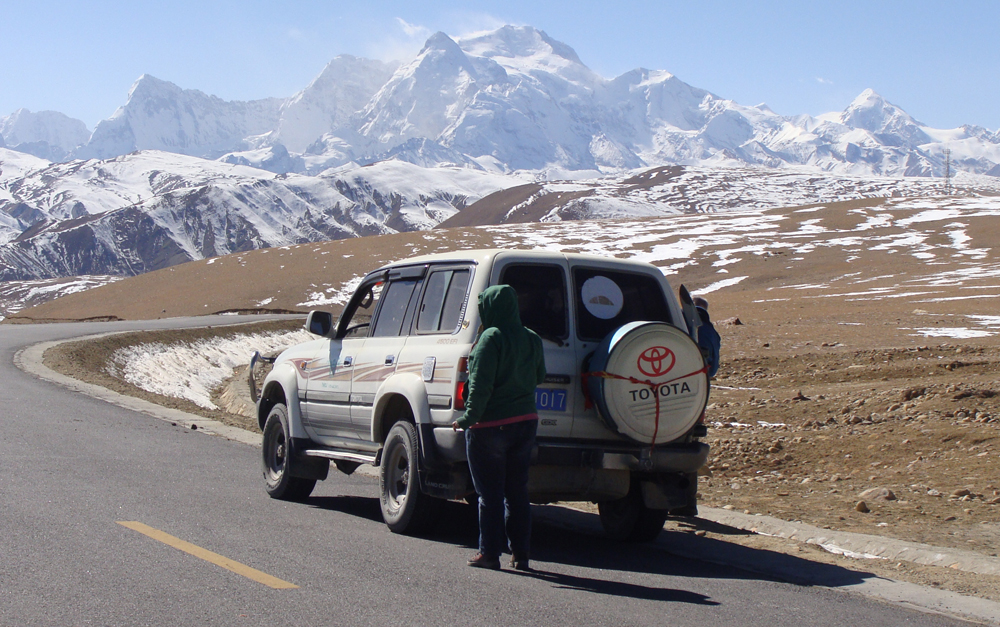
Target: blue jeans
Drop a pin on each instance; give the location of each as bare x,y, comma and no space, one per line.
499,458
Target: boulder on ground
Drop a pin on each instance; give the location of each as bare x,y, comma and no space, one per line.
878,494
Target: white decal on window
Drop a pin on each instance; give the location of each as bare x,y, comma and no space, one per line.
602,297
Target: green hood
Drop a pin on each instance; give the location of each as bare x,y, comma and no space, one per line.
498,307
506,364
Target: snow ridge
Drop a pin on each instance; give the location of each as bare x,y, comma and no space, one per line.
506,100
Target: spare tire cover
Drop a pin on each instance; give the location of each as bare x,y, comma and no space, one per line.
657,353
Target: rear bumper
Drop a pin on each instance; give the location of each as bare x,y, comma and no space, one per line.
670,458
685,458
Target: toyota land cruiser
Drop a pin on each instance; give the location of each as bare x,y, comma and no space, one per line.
620,412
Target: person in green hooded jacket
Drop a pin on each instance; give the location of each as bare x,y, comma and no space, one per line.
506,364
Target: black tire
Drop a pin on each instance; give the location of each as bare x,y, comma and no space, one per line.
278,481
629,520
405,509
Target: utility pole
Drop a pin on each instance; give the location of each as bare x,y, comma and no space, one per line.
947,172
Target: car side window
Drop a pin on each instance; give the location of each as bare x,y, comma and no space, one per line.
606,299
393,309
454,300
443,301
541,297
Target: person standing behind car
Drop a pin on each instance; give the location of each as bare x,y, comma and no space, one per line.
506,364
708,338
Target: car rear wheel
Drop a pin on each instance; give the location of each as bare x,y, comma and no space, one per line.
629,520
405,509
278,480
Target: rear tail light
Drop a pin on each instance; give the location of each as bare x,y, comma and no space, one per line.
461,383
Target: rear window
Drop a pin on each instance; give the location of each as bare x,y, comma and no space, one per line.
606,299
541,297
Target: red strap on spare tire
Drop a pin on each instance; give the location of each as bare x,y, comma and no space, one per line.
655,387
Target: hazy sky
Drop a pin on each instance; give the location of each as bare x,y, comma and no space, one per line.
940,61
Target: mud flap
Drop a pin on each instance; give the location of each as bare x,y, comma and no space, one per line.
305,467
666,492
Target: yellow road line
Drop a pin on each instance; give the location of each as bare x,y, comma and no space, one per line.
208,556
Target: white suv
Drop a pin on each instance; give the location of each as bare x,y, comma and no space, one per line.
620,411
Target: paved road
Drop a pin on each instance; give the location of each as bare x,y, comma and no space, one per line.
73,467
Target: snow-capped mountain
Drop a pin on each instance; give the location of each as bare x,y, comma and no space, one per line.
46,134
161,116
498,127
153,209
150,209
518,104
344,87
515,99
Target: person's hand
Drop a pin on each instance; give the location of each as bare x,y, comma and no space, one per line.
454,426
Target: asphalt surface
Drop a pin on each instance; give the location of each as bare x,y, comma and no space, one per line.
75,467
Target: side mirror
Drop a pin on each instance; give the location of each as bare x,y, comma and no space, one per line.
319,323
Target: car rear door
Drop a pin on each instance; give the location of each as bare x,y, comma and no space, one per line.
543,303
606,296
432,349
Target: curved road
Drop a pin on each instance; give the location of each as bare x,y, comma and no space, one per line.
74,468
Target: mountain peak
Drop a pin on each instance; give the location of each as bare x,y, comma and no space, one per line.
517,41
45,134
439,41
148,85
438,49
868,98
872,112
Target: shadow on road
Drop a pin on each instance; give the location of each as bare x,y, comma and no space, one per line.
618,588
574,538
560,531
360,506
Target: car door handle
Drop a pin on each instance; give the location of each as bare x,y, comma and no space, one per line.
390,359
348,361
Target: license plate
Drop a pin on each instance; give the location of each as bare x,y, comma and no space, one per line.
549,399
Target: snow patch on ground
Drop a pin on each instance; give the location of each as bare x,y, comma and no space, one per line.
334,295
958,333
721,284
18,295
991,322
836,550
192,371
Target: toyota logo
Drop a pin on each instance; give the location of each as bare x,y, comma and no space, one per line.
656,361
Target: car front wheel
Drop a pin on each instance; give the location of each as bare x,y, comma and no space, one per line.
278,481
